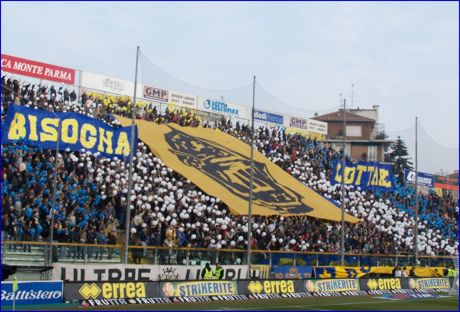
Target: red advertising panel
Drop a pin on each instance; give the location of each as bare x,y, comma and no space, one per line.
449,182
20,66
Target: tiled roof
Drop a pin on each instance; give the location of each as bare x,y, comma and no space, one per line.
337,116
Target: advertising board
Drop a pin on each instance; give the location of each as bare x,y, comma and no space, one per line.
332,285
156,94
270,286
184,100
198,288
298,122
317,126
268,117
107,84
224,108
424,179
384,283
22,66
429,283
110,290
36,292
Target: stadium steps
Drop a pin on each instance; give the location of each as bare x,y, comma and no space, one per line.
34,258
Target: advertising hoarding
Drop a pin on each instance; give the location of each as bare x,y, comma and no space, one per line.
45,71
35,292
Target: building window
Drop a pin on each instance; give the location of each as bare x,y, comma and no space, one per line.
372,153
354,131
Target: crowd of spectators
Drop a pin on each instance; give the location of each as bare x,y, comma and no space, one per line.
168,210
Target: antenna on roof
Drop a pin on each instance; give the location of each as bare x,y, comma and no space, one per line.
352,94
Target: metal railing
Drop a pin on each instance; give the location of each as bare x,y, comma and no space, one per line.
37,252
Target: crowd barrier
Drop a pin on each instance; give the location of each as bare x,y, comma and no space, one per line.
137,292
87,253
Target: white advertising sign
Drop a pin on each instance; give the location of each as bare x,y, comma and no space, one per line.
223,108
317,126
107,84
121,272
156,94
298,122
177,98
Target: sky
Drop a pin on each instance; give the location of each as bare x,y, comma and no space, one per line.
401,56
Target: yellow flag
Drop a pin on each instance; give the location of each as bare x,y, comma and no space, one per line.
15,284
219,164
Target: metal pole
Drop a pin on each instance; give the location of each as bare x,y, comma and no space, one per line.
416,194
251,181
342,240
352,93
53,203
130,175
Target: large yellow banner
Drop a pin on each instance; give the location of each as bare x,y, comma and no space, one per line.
219,164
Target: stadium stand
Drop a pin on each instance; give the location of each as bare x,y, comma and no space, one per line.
170,211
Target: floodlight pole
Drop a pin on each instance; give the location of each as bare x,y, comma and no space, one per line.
416,192
53,202
251,180
342,240
130,174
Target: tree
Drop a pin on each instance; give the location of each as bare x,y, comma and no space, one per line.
400,158
381,135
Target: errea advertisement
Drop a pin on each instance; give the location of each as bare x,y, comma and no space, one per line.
110,290
36,292
281,286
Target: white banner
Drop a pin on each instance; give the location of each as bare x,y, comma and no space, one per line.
224,108
298,122
156,94
177,98
142,273
106,84
317,126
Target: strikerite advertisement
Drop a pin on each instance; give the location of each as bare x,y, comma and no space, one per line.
429,283
198,288
332,285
